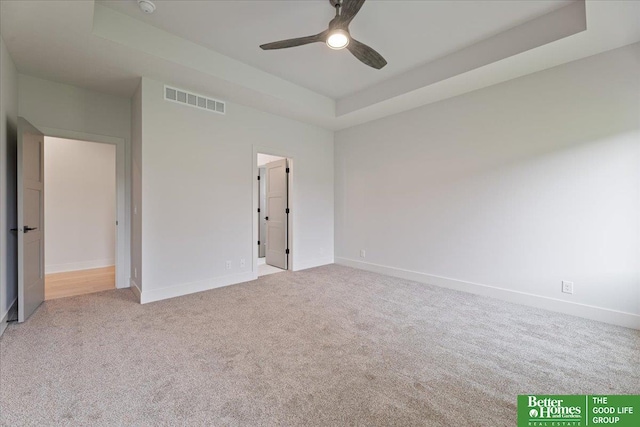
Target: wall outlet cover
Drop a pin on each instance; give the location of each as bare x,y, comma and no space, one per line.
567,287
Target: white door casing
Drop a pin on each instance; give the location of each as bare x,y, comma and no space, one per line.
30,219
123,183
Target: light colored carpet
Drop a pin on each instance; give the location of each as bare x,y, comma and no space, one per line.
327,346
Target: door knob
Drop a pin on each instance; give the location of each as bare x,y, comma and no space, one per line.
28,229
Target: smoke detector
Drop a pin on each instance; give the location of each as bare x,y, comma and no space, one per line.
146,6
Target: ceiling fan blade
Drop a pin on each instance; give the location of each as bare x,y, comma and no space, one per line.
366,54
350,9
282,44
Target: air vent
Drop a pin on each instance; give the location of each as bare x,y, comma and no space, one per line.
194,100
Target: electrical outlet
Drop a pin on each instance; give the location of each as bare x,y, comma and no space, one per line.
567,287
363,253
242,263
228,265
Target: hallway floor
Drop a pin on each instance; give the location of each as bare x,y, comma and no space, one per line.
264,269
80,282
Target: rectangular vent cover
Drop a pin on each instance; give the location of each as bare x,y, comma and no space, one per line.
194,100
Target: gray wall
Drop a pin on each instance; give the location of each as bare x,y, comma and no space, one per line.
56,105
80,204
8,153
197,187
517,187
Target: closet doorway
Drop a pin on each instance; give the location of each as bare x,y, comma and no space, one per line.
273,214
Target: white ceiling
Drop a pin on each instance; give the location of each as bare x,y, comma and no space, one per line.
406,33
211,47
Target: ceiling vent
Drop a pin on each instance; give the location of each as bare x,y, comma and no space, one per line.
194,100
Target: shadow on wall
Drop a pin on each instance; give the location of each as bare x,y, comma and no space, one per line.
12,209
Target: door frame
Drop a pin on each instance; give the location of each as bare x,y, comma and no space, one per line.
123,234
255,205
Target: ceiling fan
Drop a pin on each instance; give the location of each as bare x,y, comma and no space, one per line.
337,36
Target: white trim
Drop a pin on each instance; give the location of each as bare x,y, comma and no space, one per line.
12,312
123,195
255,204
312,263
136,289
75,266
193,287
606,315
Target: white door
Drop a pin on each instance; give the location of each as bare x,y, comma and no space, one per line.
262,222
276,251
30,219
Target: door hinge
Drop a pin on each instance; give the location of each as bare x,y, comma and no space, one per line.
287,170
116,222
258,210
287,251
258,177
287,211
258,241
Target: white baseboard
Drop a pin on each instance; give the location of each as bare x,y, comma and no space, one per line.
135,289
152,295
311,263
10,314
74,266
606,315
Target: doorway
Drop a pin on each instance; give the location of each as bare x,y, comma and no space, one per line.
80,217
272,222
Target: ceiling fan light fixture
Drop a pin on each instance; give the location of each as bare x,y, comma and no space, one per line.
338,39
337,36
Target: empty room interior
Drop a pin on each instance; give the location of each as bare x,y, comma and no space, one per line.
80,217
323,212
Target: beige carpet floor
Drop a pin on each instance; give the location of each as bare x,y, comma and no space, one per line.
327,346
